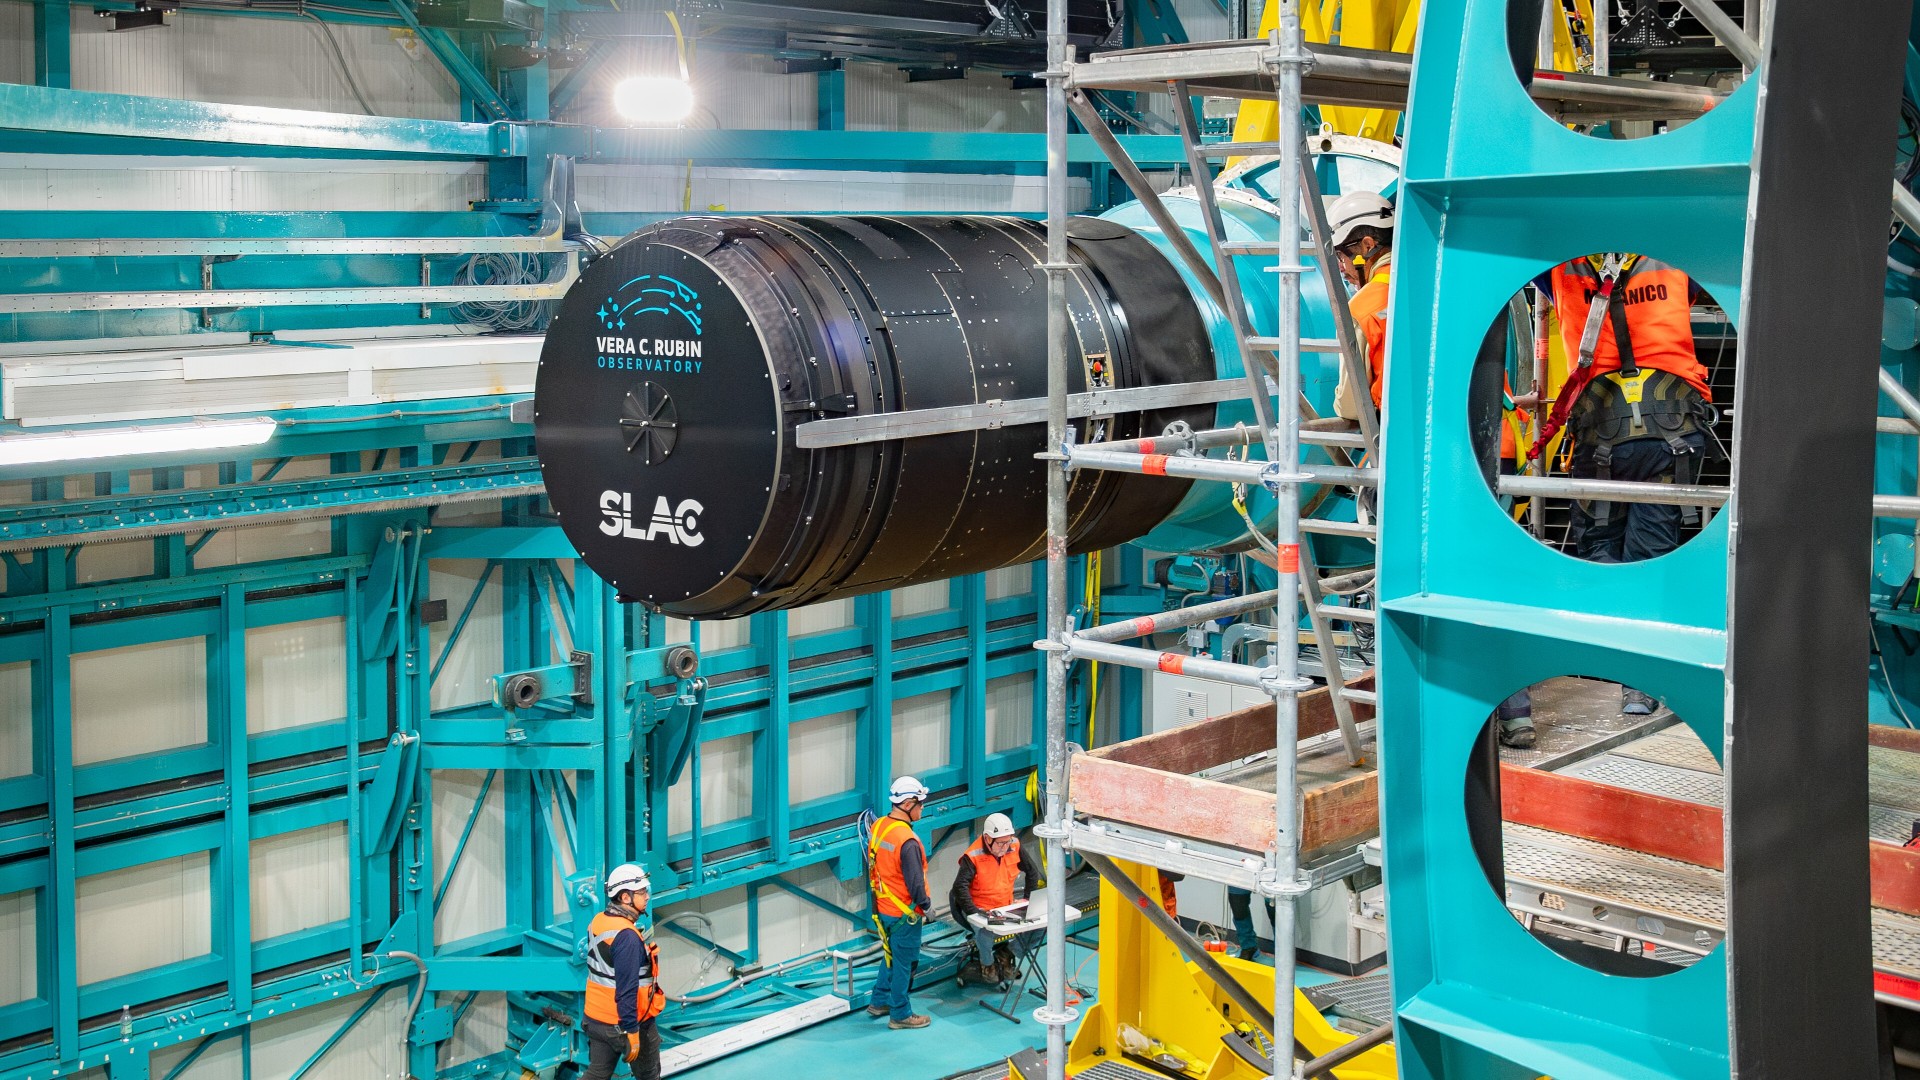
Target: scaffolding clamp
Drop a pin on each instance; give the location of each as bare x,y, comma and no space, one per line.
1269,883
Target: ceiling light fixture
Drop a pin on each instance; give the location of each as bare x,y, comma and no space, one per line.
653,99
87,444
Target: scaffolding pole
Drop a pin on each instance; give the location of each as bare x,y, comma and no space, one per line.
1281,882
1056,1014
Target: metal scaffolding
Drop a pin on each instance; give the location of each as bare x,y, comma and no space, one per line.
1283,70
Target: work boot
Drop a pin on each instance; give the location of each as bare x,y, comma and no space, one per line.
1635,703
910,1022
878,1010
1250,952
1516,721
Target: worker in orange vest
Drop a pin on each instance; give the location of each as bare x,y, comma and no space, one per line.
1361,224
897,870
988,878
1636,401
623,982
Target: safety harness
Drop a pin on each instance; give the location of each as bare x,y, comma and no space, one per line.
1627,404
601,973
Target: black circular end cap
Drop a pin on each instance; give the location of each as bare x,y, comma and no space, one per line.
657,423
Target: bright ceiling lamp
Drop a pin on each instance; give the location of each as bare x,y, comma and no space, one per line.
130,441
653,99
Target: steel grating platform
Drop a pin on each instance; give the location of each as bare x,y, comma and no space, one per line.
1368,998
1118,1070
1610,895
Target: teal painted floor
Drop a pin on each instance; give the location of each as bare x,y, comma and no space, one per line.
962,1036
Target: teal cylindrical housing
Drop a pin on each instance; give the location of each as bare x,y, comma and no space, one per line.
1206,519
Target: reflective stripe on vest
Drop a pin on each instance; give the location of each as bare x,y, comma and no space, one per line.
992,885
602,1003
890,893
1656,300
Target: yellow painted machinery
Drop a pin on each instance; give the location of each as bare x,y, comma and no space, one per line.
1157,1014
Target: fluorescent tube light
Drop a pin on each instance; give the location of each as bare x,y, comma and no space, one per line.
85,445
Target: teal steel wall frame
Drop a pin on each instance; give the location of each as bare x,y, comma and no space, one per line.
1474,608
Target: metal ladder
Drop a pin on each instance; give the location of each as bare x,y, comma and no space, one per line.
1256,357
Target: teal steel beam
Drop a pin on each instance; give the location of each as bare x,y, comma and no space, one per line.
857,918
164,513
981,151
46,110
340,1032
473,82
227,671
53,43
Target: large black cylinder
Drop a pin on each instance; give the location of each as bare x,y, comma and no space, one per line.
681,365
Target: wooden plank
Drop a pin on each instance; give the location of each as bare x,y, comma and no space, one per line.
1894,738
1204,744
1654,824
1208,810
1344,812
1896,876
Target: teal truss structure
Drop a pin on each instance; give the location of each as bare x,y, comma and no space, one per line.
1475,609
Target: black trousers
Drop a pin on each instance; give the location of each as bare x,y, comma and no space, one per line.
607,1047
1633,531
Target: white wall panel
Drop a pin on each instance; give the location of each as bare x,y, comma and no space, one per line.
224,1060
296,674
921,599
1010,581
922,732
282,63
256,185
111,562
726,784
144,916
370,1050
1009,712
139,699
819,618
479,652
481,1032
820,756
267,542
879,98
16,43
299,880
19,959
16,719
476,900
718,634
661,189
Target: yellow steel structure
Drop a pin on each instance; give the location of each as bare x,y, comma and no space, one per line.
1146,985
1362,24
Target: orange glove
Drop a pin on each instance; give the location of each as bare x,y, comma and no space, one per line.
633,1046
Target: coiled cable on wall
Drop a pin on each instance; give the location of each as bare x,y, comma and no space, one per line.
501,268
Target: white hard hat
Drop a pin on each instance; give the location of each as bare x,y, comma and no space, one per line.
905,788
628,877
1355,209
999,825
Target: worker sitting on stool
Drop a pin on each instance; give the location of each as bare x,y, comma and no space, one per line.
1637,401
623,988
898,865
989,872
